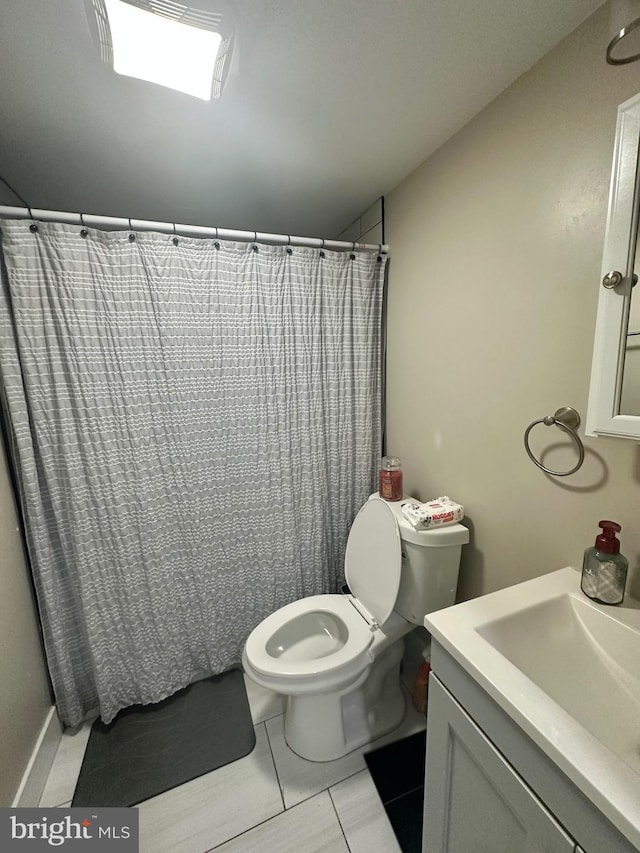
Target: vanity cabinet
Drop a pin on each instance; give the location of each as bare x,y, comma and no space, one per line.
474,801
489,788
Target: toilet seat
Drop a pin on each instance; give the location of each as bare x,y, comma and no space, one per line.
323,641
351,646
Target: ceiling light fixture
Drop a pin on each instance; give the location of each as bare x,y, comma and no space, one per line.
166,43
624,46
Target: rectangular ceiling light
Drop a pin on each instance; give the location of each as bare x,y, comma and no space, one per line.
155,48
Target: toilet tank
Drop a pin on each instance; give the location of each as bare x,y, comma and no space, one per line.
430,567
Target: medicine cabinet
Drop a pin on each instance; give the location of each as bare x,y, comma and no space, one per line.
614,394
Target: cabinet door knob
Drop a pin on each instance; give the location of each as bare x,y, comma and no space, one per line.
612,279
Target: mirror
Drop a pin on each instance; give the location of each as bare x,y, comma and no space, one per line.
614,394
630,367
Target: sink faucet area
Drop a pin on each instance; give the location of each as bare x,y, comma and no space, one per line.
567,671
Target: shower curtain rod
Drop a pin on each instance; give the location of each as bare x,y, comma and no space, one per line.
115,223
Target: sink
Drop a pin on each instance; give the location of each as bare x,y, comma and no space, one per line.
582,657
567,671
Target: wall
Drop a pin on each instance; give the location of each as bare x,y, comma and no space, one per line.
495,246
24,689
368,227
7,197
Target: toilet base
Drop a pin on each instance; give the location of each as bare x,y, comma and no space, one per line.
323,727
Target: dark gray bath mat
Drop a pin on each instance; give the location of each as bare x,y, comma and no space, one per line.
149,749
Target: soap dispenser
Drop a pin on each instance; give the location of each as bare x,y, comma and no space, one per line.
604,569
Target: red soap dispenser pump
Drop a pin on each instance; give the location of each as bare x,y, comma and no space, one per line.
604,569
606,541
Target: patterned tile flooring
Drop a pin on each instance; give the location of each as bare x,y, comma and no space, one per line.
271,801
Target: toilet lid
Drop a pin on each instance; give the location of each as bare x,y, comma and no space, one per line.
373,558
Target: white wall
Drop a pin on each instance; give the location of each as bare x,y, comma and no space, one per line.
24,689
495,246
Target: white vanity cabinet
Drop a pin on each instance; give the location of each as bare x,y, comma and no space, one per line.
489,788
474,801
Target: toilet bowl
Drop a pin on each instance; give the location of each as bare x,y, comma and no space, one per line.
337,657
311,645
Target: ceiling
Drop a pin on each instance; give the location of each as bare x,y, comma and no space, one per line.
330,104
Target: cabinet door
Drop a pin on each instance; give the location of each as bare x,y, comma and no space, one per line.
474,801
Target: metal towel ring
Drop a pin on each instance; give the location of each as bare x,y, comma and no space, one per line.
568,420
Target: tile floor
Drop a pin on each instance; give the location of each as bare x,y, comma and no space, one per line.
271,801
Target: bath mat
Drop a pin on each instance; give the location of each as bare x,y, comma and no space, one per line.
397,771
148,749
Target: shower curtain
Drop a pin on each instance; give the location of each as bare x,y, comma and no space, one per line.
193,426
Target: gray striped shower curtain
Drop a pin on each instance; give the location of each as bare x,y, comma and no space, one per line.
193,426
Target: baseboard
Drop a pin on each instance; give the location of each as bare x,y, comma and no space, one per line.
39,766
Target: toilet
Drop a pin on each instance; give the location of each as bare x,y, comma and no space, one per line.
337,657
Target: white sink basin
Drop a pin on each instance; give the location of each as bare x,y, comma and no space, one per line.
567,670
585,659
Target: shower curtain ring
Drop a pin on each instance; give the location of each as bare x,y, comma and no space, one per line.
132,236
34,226
83,230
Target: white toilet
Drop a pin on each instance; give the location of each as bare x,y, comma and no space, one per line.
337,657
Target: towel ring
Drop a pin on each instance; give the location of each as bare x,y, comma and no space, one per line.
568,420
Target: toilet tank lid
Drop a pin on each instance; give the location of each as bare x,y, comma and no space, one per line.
436,537
373,559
